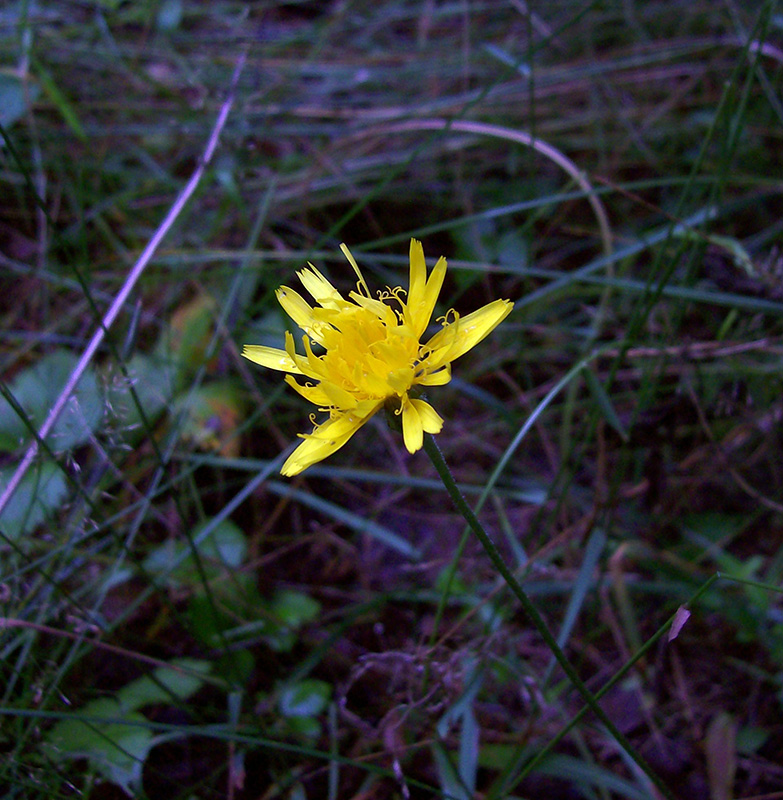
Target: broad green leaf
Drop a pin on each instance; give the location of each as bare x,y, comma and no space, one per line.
41,493
304,727
751,738
234,611
192,327
14,97
116,748
308,698
206,622
36,390
153,383
236,665
166,684
224,545
294,609
210,417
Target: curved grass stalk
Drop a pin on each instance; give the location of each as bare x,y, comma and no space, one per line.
527,140
542,148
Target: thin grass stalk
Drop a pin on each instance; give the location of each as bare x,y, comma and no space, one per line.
621,673
442,468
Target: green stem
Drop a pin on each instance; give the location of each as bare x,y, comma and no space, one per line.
442,468
613,681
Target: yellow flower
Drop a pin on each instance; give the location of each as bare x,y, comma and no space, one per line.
369,353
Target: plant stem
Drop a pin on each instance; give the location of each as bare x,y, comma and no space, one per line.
442,468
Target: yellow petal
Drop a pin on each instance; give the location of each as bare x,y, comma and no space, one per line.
431,421
400,379
423,292
439,347
467,332
327,439
313,394
300,312
303,364
308,453
438,378
366,377
418,274
352,260
314,363
321,290
338,397
270,357
412,428
380,309
345,423
434,285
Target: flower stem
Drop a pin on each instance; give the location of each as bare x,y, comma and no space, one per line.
442,468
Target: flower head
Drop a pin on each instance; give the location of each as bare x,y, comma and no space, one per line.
369,353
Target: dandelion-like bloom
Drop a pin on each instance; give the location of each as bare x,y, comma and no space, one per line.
372,356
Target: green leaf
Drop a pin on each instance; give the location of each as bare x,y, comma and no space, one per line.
36,389
206,622
304,727
41,492
164,685
110,732
459,781
308,698
582,775
469,750
750,739
714,526
294,609
14,97
448,776
116,748
236,665
192,327
240,614
210,417
233,602
153,384
224,545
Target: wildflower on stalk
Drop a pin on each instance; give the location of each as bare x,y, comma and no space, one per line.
371,354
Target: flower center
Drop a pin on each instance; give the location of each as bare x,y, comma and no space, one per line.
370,351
